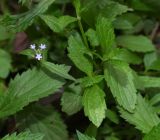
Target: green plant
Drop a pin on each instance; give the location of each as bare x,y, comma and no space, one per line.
95,61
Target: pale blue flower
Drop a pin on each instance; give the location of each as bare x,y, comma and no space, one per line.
38,56
33,46
42,46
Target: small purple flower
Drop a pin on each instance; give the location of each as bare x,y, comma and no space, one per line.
33,46
38,56
42,46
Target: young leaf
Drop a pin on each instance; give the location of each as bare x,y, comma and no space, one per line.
83,137
76,53
155,99
90,81
25,88
71,100
92,37
144,117
153,134
61,70
58,24
135,43
5,63
119,78
43,120
20,22
24,136
94,104
105,34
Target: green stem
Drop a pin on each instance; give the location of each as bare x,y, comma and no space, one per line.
82,30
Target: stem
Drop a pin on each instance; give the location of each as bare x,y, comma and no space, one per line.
82,30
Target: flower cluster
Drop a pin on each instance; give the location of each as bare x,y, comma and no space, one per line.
38,51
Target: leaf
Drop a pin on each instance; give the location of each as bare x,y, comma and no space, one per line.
90,81
153,134
105,33
109,9
126,56
24,136
71,100
150,81
4,33
144,117
41,119
135,43
60,70
76,54
25,88
111,115
94,104
20,22
155,99
92,37
58,24
83,137
5,63
152,61
119,78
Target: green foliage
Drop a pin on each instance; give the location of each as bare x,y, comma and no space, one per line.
94,104
58,24
5,63
77,51
25,88
71,100
44,120
144,118
61,70
153,134
83,137
24,136
63,63
119,78
135,43
105,33
20,22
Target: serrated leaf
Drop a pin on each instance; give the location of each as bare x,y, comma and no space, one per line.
71,100
41,119
135,43
105,34
90,81
84,137
20,22
153,134
5,63
109,9
126,56
24,136
76,53
94,104
144,118
150,81
92,37
58,24
119,78
61,70
25,88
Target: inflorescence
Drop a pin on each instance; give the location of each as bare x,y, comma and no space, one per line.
38,51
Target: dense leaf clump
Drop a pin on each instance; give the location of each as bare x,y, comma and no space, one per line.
79,70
